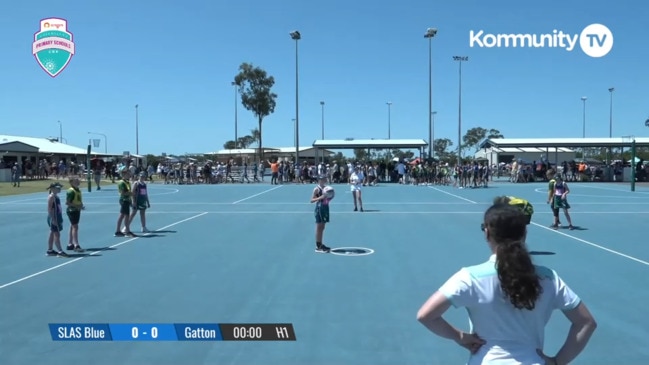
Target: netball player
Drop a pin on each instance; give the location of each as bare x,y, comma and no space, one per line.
558,196
55,221
74,202
509,301
140,201
356,181
125,202
321,214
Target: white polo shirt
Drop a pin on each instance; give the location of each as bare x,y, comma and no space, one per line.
356,180
512,335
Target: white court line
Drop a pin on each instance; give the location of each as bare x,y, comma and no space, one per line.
576,238
594,245
619,190
453,195
112,196
308,212
545,191
85,198
26,200
258,194
285,203
373,203
95,253
347,203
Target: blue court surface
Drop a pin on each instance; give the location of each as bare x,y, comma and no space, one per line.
245,254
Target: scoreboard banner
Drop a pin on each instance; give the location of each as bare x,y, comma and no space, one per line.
172,332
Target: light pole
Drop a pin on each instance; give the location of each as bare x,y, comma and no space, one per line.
293,120
296,36
430,34
322,104
610,127
105,141
459,59
60,132
389,104
583,128
236,117
137,132
610,114
432,135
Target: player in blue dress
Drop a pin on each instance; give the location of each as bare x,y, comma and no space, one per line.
321,214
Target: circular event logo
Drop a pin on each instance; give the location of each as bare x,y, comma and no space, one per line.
596,40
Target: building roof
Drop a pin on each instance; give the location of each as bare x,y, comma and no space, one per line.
528,149
564,142
241,151
45,145
17,146
339,144
252,151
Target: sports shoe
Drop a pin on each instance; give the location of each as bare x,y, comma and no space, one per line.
50,253
130,234
145,230
323,249
62,254
119,234
78,248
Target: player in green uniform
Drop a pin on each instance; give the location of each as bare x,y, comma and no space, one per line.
321,214
125,201
74,202
525,206
558,199
555,211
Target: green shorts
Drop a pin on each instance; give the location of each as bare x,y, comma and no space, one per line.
559,203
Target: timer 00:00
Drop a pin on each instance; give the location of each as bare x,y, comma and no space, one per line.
243,332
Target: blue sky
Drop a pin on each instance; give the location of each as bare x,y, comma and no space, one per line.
176,59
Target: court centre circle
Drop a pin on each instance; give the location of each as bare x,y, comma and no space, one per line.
351,251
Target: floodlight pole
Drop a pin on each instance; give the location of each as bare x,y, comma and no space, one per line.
430,34
296,36
460,59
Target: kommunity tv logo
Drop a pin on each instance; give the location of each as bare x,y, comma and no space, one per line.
596,40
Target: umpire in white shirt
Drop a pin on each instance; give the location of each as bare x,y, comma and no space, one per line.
509,301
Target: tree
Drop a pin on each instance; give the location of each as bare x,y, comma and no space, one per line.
244,142
256,136
230,145
256,95
360,154
494,134
440,147
473,136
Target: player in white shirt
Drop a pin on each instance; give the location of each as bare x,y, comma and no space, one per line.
356,181
509,301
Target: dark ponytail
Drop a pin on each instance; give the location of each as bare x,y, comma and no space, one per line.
506,227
